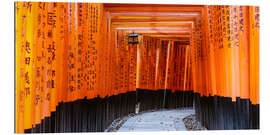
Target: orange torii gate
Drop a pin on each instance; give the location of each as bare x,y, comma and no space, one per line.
75,70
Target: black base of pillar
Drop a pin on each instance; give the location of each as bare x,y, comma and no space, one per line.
86,115
221,113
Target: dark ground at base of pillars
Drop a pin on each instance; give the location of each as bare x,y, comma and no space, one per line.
220,113
95,115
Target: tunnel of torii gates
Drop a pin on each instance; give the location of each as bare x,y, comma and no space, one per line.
76,72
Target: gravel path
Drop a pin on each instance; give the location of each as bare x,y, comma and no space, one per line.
163,120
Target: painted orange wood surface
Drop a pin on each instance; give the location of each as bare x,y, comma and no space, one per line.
69,51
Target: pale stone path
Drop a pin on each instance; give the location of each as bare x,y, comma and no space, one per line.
164,120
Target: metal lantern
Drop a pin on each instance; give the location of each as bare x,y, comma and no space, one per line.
133,38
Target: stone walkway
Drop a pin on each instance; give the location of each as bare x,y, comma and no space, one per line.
163,120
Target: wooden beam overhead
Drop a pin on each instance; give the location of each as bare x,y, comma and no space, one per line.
167,34
171,36
182,19
167,22
155,22
155,26
152,8
157,14
158,31
147,17
146,5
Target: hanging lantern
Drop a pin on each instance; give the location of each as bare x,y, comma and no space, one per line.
133,38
